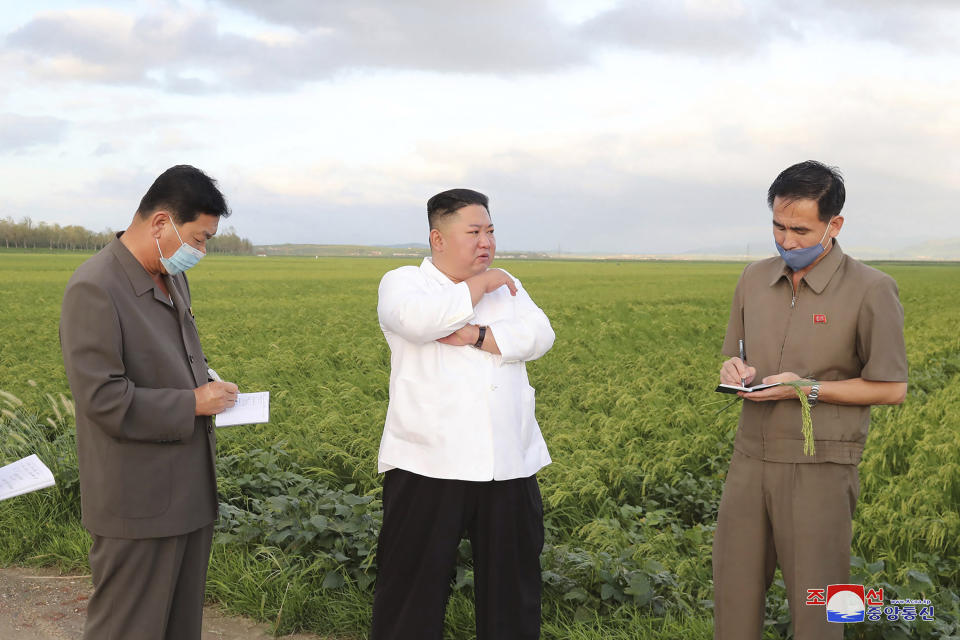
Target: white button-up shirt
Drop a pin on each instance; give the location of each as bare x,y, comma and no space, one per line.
459,412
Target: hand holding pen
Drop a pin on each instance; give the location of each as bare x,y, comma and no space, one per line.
735,371
743,359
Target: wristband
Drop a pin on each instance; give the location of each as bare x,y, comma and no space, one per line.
483,334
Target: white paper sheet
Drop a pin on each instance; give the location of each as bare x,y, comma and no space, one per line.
733,388
24,476
251,408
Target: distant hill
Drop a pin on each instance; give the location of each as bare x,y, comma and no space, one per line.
328,250
936,250
947,250
412,245
412,250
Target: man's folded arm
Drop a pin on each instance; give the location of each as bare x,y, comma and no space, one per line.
527,336
420,316
90,337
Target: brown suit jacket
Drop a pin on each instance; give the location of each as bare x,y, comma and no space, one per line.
133,359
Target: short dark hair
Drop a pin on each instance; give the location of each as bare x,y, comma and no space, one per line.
449,202
186,192
811,180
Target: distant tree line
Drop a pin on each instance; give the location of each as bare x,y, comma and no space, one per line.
28,234
229,242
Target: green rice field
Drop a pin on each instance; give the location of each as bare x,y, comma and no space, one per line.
625,400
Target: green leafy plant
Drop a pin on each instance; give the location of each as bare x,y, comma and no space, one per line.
268,501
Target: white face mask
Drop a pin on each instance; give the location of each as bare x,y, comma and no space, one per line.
183,258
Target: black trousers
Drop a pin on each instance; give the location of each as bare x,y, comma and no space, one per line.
423,522
148,589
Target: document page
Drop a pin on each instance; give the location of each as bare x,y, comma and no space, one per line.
251,408
733,388
24,476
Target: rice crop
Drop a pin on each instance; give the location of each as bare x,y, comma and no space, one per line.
625,400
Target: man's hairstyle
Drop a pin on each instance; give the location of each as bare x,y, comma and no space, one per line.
449,202
186,192
811,180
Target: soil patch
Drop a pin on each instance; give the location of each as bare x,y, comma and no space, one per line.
40,604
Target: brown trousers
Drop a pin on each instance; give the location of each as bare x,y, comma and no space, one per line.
148,589
797,516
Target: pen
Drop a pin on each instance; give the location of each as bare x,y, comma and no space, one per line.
743,359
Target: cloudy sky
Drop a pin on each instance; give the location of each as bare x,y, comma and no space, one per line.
594,125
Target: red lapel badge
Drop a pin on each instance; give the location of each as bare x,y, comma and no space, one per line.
819,318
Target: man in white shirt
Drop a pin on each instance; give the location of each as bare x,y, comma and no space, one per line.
461,445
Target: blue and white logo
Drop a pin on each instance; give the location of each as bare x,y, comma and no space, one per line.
845,603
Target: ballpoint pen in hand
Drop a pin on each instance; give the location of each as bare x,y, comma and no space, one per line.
743,359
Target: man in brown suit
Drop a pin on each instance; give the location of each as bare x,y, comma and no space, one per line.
816,314
143,401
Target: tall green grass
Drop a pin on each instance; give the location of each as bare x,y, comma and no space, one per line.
42,528
639,443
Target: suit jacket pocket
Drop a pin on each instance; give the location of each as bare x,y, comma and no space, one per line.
145,479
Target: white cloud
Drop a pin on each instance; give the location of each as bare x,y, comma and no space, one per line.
607,127
183,50
692,28
19,133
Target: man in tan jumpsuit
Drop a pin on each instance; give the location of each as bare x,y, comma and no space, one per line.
817,314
